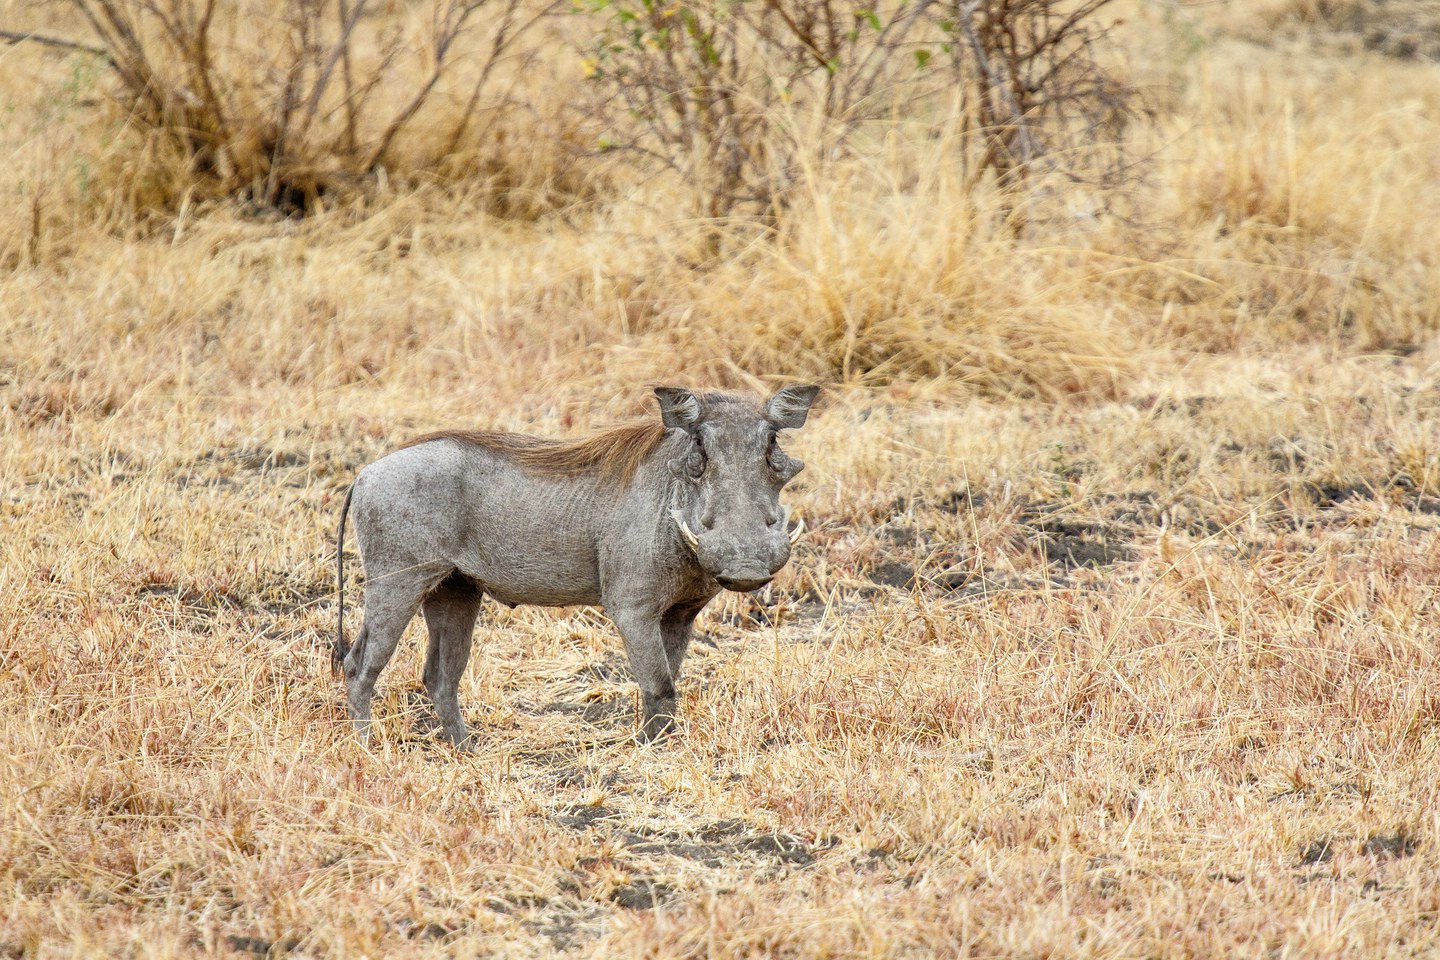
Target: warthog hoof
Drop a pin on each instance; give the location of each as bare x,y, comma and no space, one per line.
659,718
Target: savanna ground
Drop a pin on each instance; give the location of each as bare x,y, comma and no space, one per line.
1115,634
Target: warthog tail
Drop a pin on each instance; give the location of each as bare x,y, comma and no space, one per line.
338,651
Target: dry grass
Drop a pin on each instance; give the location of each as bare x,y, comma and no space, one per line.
1116,634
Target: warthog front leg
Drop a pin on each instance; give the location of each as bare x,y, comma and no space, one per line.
648,662
675,628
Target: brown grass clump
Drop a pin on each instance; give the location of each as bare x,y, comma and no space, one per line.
1114,634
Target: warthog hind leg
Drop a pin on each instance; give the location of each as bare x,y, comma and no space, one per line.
450,613
390,604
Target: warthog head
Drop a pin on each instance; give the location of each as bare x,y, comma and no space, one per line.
731,471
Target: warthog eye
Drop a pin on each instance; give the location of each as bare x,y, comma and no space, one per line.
775,456
695,463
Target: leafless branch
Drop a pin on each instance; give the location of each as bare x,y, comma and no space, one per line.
13,37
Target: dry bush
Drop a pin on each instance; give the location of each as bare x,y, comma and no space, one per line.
741,99
285,105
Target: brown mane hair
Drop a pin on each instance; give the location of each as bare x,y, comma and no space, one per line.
614,454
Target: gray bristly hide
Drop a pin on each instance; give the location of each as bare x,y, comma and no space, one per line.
650,522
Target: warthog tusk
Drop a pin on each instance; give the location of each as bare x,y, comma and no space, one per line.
799,529
685,530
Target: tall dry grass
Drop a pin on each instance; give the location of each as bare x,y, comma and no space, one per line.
1115,633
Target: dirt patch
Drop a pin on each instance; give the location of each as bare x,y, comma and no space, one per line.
1317,852
779,846
579,778
512,902
721,843
254,459
912,555
431,930
642,893
1070,542
1381,847
205,602
262,947
229,468
565,922
585,817
66,401
1399,490
611,668
1396,846
893,573
1066,536
609,712
961,499
751,615
196,609
1078,551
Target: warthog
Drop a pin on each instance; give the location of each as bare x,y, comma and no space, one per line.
650,521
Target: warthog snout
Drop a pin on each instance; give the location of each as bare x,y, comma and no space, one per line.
744,559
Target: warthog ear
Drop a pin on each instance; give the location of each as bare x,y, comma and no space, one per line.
790,407
678,407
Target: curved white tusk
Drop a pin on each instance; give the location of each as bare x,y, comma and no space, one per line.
799,529
685,530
